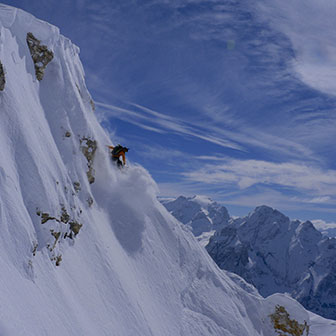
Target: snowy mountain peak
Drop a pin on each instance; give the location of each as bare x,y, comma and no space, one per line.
263,209
262,224
308,231
200,213
264,215
279,255
203,201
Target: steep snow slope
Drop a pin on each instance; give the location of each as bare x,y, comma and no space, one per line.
278,255
101,258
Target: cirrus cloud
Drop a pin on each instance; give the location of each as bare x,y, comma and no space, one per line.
246,173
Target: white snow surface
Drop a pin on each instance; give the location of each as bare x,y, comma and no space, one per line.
133,269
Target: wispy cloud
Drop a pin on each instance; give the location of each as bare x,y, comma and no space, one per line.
168,189
158,152
211,158
256,70
261,196
241,139
320,200
246,173
161,123
233,74
310,27
323,225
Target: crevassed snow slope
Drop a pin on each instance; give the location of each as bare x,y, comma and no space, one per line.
132,269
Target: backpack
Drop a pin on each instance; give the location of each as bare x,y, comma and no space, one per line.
116,150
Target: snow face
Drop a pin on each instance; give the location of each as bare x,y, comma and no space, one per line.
278,255
86,249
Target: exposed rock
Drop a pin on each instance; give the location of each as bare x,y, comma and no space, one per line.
90,176
89,148
77,186
2,77
40,54
58,260
67,134
90,201
56,235
65,217
93,106
45,217
79,91
35,246
75,227
69,228
284,326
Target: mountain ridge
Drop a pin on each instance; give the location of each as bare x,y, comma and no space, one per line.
271,252
279,255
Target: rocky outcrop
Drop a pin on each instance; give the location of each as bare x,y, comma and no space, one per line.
2,77
40,54
284,325
93,106
60,227
89,147
77,186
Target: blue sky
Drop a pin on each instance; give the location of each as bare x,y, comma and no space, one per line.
231,99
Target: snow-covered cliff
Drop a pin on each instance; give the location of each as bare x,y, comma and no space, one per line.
84,248
277,255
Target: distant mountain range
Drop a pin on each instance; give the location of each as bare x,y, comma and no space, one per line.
202,215
268,250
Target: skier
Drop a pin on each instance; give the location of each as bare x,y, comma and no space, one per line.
117,152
